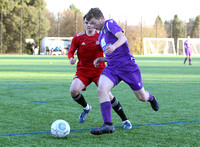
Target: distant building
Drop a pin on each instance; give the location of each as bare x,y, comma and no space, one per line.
52,42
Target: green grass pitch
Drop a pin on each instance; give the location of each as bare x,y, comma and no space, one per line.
34,92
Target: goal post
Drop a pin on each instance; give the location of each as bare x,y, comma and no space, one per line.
159,46
195,46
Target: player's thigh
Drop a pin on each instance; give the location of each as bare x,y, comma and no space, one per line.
189,54
95,80
133,79
77,85
186,52
105,83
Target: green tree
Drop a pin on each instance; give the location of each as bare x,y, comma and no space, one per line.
159,29
24,20
195,33
168,28
189,26
39,20
178,29
5,7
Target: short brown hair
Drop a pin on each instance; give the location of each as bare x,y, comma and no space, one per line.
84,17
94,13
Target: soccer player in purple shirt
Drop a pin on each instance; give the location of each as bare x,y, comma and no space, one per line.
121,66
188,50
87,72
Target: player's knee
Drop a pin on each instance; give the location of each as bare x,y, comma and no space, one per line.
100,90
74,92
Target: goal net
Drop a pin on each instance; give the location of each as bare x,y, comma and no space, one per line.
195,46
159,46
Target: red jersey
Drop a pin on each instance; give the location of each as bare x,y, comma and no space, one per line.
88,49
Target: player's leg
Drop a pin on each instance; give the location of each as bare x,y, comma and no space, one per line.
119,110
186,59
104,87
75,89
134,80
190,59
186,53
32,50
144,96
115,104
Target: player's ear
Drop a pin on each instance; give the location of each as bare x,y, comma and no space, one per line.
101,19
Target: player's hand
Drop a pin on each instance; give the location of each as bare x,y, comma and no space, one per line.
72,61
96,62
110,49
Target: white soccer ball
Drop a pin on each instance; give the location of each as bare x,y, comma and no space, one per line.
60,129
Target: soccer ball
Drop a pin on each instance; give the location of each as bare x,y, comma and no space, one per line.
60,129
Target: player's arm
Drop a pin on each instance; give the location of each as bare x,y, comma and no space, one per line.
97,61
73,48
121,40
186,46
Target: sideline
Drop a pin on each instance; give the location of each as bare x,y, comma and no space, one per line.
157,124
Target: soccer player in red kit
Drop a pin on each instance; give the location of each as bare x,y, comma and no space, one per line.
87,45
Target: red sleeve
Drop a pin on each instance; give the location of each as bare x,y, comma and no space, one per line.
73,47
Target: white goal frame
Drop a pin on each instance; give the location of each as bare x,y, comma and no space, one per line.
195,46
159,46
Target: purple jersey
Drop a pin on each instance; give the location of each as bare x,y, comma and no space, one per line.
188,44
120,63
121,57
188,47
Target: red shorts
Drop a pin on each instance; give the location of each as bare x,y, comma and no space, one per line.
87,77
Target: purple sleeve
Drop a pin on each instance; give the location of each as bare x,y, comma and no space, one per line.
185,43
113,27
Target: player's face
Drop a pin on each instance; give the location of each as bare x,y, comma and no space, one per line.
88,26
98,23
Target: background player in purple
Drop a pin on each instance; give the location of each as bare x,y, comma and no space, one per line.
188,50
121,66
